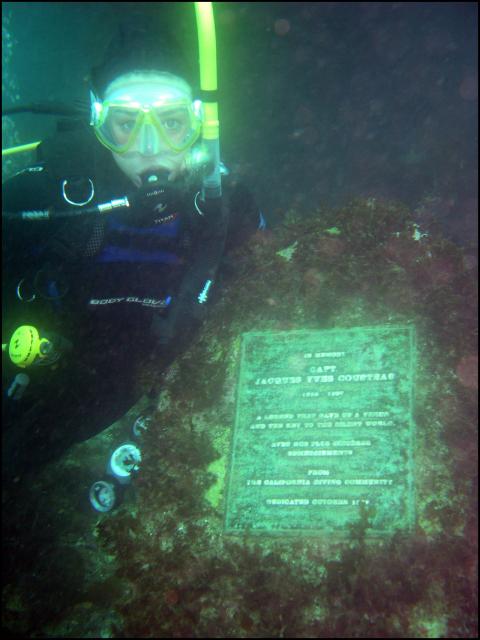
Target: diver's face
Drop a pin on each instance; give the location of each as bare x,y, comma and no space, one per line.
160,127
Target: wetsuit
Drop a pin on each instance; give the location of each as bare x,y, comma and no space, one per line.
121,287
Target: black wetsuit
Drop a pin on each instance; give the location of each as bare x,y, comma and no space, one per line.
110,284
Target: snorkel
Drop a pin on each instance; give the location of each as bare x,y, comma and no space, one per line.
212,184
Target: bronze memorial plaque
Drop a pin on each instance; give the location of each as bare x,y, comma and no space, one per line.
323,423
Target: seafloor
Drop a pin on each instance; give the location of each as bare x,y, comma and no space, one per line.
161,566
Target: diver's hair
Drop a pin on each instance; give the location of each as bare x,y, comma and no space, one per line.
138,47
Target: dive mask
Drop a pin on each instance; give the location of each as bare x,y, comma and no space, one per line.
147,116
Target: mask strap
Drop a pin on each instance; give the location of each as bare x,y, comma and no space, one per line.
95,108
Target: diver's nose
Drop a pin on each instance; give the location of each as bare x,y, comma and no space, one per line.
150,142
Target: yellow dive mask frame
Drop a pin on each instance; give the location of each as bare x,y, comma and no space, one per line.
122,126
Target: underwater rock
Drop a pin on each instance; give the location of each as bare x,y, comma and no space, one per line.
365,275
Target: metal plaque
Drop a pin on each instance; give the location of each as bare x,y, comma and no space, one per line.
323,424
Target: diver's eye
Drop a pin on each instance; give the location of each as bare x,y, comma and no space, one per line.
171,124
127,126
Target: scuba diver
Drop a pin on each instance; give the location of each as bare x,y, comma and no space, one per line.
112,244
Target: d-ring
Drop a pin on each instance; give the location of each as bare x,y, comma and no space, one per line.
19,295
78,204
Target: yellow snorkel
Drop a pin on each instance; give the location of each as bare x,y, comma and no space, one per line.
208,84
